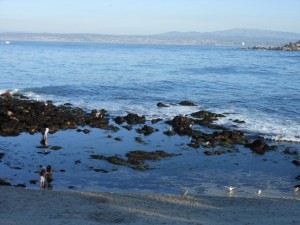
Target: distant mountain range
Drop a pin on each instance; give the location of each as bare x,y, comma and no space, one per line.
247,37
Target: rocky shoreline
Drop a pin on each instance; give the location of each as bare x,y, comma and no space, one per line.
288,47
19,114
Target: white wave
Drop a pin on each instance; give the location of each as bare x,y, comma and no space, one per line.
267,126
14,91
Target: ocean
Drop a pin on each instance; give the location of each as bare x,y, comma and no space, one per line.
261,88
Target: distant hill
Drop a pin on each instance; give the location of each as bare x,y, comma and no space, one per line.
249,37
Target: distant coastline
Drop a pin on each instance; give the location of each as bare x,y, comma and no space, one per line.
233,37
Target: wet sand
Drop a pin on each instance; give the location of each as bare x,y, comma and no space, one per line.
35,207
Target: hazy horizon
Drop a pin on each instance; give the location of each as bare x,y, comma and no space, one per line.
173,31
137,17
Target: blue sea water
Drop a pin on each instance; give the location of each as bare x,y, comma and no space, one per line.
260,87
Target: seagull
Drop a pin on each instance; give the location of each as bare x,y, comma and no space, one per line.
230,189
185,193
258,192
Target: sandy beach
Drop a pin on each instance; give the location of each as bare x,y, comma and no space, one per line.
24,206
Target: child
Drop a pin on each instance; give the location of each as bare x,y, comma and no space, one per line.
48,175
42,177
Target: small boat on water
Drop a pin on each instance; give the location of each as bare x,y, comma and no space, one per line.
7,42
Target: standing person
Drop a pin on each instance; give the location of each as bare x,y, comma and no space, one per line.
48,175
44,140
42,177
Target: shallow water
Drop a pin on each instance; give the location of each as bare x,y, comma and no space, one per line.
273,172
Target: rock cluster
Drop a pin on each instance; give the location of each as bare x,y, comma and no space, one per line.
288,47
19,114
22,115
135,159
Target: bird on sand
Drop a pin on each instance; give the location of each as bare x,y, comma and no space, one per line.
185,193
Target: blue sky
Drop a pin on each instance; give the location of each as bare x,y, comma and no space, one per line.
147,16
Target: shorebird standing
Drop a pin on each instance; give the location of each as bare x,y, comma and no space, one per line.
185,193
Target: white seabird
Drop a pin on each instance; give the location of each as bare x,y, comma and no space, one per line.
185,193
230,188
258,192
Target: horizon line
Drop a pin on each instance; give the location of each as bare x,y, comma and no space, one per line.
167,32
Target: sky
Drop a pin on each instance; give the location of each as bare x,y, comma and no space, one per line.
146,17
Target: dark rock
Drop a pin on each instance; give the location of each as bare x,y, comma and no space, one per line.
138,140
206,114
219,152
17,168
33,181
169,132
238,121
98,122
146,130
194,144
101,170
117,160
290,152
141,167
159,104
77,161
209,152
99,157
55,148
135,119
86,131
118,139
156,120
181,121
259,147
298,177
296,162
10,126
21,185
119,120
187,103
128,127
3,182
1,155
214,152
143,155
108,127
